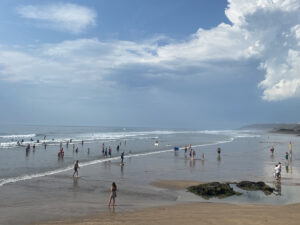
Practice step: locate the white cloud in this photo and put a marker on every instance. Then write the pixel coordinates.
(70, 17)
(263, 30)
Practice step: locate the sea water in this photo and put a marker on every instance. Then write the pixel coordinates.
(17, 164)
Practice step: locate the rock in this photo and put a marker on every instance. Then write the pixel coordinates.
(255, 186)
(213, 189)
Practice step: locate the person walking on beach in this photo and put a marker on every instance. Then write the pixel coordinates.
(76, 167)
(113, 195)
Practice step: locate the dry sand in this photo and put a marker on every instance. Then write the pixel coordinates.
(195, 213)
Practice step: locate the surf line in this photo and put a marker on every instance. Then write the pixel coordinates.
(53, 172)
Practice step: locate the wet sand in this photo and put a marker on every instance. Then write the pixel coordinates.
(198, 213)
(175, 184)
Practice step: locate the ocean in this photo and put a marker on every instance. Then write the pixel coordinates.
(16, 164)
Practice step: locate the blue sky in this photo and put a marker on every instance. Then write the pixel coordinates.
(207, 64)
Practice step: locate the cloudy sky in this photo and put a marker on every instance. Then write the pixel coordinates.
(209, 64)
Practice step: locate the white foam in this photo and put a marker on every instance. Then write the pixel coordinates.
(48, 173)
(18, 136)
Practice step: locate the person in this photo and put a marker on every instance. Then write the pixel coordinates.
(113, 194)
(276, 171)
(76, 150)
(219, 151)
(202, 156)
(272, 150)
(279, 165)
(103, 148)
(122, 158)
(194, 153)
(33, 147)
(185, 150)
(105, 152)
(82, 142)
(118, 148)
(109, 151)
(76, 167)
(28, 148)
(287, 156)
(61, 153)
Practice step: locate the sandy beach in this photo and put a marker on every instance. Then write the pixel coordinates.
(197, 213)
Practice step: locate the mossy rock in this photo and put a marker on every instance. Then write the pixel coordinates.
(213, 189)
(255, 186)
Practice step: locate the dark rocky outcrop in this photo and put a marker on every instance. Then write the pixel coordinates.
(255, 186)
(213, 189)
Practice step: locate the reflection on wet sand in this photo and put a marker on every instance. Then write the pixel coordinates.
(277, 187)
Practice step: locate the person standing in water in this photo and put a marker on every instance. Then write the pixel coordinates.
(76, 167)
(113, 195)
(290, 145)
(272, 150)
(109, 151)
(219, 151)
(118, 148)
(122, 158)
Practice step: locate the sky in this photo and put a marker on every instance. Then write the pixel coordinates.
(209, 64)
